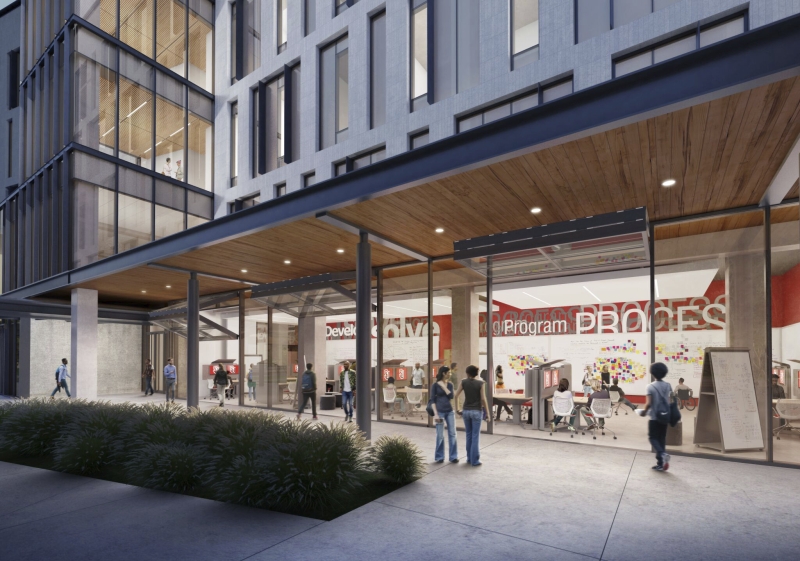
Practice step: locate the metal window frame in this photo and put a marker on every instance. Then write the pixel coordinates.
(512, 54)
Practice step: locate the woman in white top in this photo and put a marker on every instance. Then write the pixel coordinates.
(563, 392)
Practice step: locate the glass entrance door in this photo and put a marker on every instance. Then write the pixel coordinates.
(157, 359)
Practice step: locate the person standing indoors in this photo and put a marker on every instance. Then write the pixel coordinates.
(474, 405)
(347, 381)
(167, 169)
(148, 378)
(61, 379)
(251, 385)
(658, 396)
(605, 375)
(221, 381)
(587, 381)
(170, 377)
(500, 385)
(441, 394)
(417, 376)
(178, 171)
(308, 384)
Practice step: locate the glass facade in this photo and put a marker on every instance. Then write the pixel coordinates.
(524, 32)
(419, 54)
(334, 93)
(377, 70)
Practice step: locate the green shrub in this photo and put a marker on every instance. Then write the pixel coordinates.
(169, 467)
(150, 424)
(33, 425)
(398, 458)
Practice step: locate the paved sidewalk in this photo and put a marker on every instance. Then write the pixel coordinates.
(531, 499)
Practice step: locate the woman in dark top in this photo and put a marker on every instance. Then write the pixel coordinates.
(474, 405)
(442, 393)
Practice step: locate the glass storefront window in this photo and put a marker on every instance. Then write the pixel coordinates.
(170, 35)
(201, 152)
(135, 222)
(168, 221)
(135, 111)
(101, 13)
(201, 44)
(170, 206)
(170, 115)
(136, 24)
(95, 93)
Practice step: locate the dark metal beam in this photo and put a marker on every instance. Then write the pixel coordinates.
(364, 336)
(354, 229)
(218, 327)
(201, 274)
(193, 343)
(14, 308)
(761, 56)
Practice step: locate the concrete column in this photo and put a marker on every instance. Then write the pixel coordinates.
(364, 336)
(465, 329)
(83, 366)
(311, 347)
(746, 318)
(243, 368)
(193, 342)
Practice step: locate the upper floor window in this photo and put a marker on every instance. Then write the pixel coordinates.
(243, 203)
(377, 70)
(309, 179)
(246, 37)
(456, 47)
(280, 190)
(234, 143)
(13, 79)
(593, 17)
(419, 54)
(419, 139)
(334, 93)
(342, 5)
(309, 16)
(277, 121)
(524, 32)
(282, 25)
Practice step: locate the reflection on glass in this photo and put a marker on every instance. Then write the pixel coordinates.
(169, 139)
(136, 121)
(593, 18)
(282, 35)
(342, 89)
(136, 24)
(675, 48)
(192, 220)
(234, 142)
(526, 25)
(201, 152)
(95, 95)
(252, 45)
(722, 31)
(311, 16)
(101, 13)
(135, 222)
(378, 70)
(201, 52)
(168, 221)
(333, 93)
(170, 35)
(419, 44)
(92, 223)
(633, 63)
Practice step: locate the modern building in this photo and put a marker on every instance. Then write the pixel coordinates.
(599, 183)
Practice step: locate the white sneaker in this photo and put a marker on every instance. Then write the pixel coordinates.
(666, 458)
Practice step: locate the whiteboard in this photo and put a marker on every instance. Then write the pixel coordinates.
(736, 401)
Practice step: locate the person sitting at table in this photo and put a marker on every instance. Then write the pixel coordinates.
(682, 386)
(500, 385)
(777, 390)
(586, 410)
(622, 399)
(563, 392)
(417, 376)
(397, 399)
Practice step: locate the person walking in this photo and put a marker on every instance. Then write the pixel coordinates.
(347, 381)
(308, 384)
(61, 379)
(658, 396)
(500, 385)
(170, 378)
(221, 380)
(417, 376)
(148, 378)
(475, 406)
(441, 394)
(251, 385)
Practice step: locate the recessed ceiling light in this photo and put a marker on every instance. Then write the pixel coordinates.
(668, 183)
(339, 251)
(287, 262)
(169, 286)
(244, 270)
(439, 230)
(144, 292)
(536, 210)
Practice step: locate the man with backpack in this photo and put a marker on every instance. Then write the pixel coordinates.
(61, 379)
(347, 381)
(221, 380)
(308, 385)
(658, 406)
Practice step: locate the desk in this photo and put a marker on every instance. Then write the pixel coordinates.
(515, 400)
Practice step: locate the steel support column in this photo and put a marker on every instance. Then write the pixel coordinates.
(489, 346)
(652, 242)
(768, 331)
(243, 368)
(193, 342)
(364, 335)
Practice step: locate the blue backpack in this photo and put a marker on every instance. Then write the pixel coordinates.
(308, 381)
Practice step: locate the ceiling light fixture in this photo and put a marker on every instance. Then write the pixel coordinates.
(439, 230)
(339, 251)
(169, 286)
(135, 110)
(536, 210)
(144, 292)
(668, 183)
(535, 298)
(592, 293)
(287, 262)
(244, 270)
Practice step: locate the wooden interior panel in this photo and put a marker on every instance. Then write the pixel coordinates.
(722, 153)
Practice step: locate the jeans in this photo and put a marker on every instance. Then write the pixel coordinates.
(500, 406)
(169, 385)
(347, 403)
(626, 401)
(657, 434)
(221, 394)
(450, 421)
(472, 426)
(585, 411)
(61, 384)
(306, 396)
(252, 391)
(587, 390)
(557, 419)
(149, 387)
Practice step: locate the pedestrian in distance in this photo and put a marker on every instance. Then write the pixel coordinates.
(221, 381)
(657, 408)
(308, 385)
(170, 379)
(475, 409)
(443, 413)
(61, 379)
(251, 384)
(148, 378)
(347, 381)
